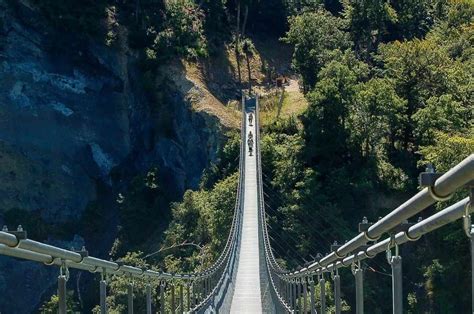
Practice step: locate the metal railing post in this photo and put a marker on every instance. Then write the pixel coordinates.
(359, 285)
(295, 295)
(103, 293)
(188, 296)
(472, 267)
(173, 305)
(337, 291)
(397, 291)
(130, 296)
(288, 293)
(181, 299)
(162, 297)
(305, 295)
(322, 288)
(62, 295)
(358, 273)
(148, 298)
(469, 230)
(313, 294)
(298, 294)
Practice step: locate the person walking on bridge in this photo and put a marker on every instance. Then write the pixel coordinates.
(250, 119)
(250, 143)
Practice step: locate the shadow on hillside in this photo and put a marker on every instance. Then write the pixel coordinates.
(220, 75)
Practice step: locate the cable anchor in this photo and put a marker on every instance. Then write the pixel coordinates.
(64, 270)
(355, 266)
(392, 242)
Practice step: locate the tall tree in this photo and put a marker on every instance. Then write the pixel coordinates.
(248, 49)
(368, 23)
(315, 36)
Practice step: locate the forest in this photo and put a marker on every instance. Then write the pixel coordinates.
(389, 87)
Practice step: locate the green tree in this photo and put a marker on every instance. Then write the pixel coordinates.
(375, 115)
(182, 33)
(315, 36)
(419, 70)
(248, 49)
(203, 217)
(368, 23)
(327, 114)
(52, 305)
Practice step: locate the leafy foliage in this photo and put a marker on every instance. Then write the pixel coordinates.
(378, 112)
(204, 218)
(52, 305)
(315, 36)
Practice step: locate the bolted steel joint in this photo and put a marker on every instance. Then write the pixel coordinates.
(428, 179)
(19, 233)
(83, 252)
(334, 247)
(364, 225)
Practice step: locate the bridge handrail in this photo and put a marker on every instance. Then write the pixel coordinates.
(273, 268)
(453, 180)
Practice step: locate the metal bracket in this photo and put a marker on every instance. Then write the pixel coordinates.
(364, 228)
(334, 247)
(19, 233)
(364, 225)
(428, 179)
(355, 266)
(83, 252)
(389, 249)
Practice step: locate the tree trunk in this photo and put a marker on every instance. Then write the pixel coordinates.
(137, 10)
(237, 43)
(246, 14)
(250, 73)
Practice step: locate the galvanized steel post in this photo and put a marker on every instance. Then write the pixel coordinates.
(62, 293)
(148, 298)
(305, 295)
(188, 295)
(472, 267)
(173, 305)
(397, 291)
(469, 229)
(162, 296)
(103, 293)
(313, 292)
(181, 299)
(359, 285)
(337, 292)
(130, 297)
(322, 287)
(298, 294)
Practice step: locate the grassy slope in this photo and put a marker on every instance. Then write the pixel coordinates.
(212, 87)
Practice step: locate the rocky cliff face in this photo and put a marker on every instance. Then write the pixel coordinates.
(69, 115)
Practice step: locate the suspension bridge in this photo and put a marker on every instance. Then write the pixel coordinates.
(246, 277)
